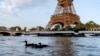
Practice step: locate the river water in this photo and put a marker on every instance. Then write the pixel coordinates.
(58, 46)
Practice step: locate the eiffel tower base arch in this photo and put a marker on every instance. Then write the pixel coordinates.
(67, 19)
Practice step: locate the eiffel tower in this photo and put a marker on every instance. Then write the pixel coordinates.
(65, 14)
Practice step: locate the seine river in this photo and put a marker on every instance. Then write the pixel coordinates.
(59, 46)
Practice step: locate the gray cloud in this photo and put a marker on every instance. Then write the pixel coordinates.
(10, 7)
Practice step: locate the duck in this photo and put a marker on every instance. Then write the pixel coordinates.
(39, 45)
(27, 45)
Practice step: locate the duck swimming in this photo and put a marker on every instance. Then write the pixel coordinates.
(26, 44)
(39, 45)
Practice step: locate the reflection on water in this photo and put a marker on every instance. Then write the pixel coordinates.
(59, 46)
(65, 44)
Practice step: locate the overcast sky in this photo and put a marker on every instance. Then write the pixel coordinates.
(32, 13)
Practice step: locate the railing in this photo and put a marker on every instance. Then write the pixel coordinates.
(86, 32)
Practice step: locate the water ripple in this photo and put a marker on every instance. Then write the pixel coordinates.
(61, 46)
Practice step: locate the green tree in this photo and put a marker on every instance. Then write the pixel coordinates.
(48, 29)
(18, 27)
(40, 28)
(67, 28)
(14, 28)
(80, 27)
(91, 24)
(3, 28)
(56, 28)
(33, 29)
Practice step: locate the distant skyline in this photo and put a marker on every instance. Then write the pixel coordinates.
(32, 13)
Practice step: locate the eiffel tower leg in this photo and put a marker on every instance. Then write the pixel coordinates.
(48, 27)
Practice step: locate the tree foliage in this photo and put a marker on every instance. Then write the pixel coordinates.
(14, 28)
(32, 29)
(91, 24)
(40, 28)
(80, 27)
(56, 28)
(67, 28)
(3, 28)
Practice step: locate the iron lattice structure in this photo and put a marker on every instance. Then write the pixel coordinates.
(65, 14)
